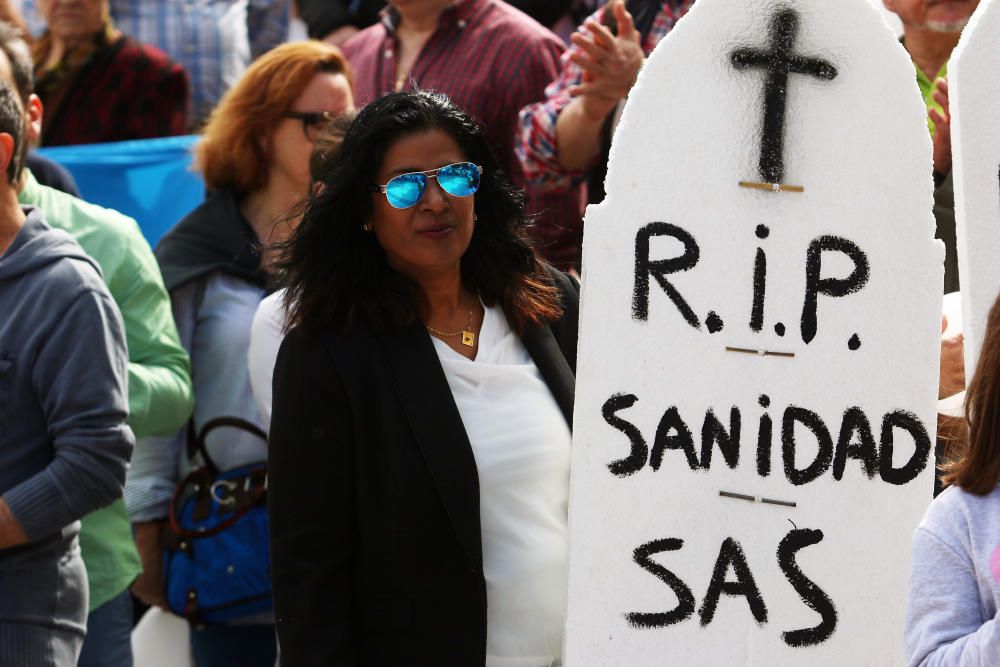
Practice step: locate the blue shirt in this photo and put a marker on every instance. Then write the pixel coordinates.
(214, 40)
(213, 317)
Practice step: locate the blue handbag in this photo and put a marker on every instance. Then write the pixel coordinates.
(216, 565)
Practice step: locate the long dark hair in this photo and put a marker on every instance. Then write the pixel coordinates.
(976, 465)
(335, 273)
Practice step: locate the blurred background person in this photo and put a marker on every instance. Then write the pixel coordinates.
(491, 60)
(406, 529)
(97, 84)
(46, 171)
(254, 156)
(268, 328)
(951, 616)
(565, 138)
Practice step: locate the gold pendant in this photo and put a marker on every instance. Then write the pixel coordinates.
(468, 339)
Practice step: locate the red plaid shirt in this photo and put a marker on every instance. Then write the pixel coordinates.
(130, 91)
(536, 146)
(491, 60)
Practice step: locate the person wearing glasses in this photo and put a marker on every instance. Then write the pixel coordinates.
(268, 328)
(420, 433)
(254, 156)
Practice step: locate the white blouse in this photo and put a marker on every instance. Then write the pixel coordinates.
(522, 447)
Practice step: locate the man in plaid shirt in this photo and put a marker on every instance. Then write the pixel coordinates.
(561, 138)
(490, 59)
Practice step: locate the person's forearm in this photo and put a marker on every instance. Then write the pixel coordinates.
(11, 533)
(578, 136)
(159, 397)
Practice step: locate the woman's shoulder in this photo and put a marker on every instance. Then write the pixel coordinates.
(566, 283)
(955, 514)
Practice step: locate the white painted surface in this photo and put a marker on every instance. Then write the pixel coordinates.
(974, 92)
(890, 18)
(161, 640)
(690, 131)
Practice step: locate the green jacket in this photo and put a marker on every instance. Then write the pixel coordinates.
(159, 383)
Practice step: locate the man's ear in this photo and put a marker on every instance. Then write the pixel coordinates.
(6, 153)
(890, 5)
(34, 113)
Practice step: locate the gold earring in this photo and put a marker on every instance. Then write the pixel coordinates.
(366, 227)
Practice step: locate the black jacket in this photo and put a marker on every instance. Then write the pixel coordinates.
(374, 497)
(213, 237)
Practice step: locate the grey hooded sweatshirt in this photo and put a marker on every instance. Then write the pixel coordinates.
(64, 445)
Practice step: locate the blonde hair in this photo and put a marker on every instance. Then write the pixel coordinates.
(230, 154)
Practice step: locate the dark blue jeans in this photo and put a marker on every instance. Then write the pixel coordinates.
(109, 635)
(226, 645)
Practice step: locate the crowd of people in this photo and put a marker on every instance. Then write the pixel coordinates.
(272, 426)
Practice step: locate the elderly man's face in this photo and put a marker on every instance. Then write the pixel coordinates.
(74, 19)
(938, 15)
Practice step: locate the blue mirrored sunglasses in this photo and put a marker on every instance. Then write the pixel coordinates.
(459, 180)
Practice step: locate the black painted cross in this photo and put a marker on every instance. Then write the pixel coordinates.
(779, 62)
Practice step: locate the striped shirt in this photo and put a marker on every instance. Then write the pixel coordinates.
(492, 60)
(214, 40)
(536, 145)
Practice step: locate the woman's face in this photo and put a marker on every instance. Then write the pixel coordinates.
(291, 141)
(74, 19)
(431, 236)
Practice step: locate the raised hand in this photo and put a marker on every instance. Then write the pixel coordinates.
(610, 62)
(942, 123)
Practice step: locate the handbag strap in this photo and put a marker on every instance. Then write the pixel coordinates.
(196, 442)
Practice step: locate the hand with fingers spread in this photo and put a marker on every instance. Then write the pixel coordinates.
(942, 124)
(610, 62)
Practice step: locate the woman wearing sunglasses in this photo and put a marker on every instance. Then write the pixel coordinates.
(419, 450)
(254, 156)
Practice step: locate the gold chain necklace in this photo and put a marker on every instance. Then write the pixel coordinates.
(467, 334)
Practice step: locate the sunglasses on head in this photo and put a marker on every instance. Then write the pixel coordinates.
(459, 180)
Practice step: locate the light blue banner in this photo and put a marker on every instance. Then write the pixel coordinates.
(149, 179)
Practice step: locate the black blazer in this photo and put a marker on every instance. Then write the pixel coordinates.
(376, 543)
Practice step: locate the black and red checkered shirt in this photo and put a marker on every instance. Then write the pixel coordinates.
(128, 91)
(491, 60)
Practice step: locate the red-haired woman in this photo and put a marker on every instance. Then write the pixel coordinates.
(254, 156)
(955, 577)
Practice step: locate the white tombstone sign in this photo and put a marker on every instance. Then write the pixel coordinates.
(974, 93)
(775, 340)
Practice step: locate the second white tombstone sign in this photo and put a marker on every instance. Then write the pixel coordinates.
(975, 99)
